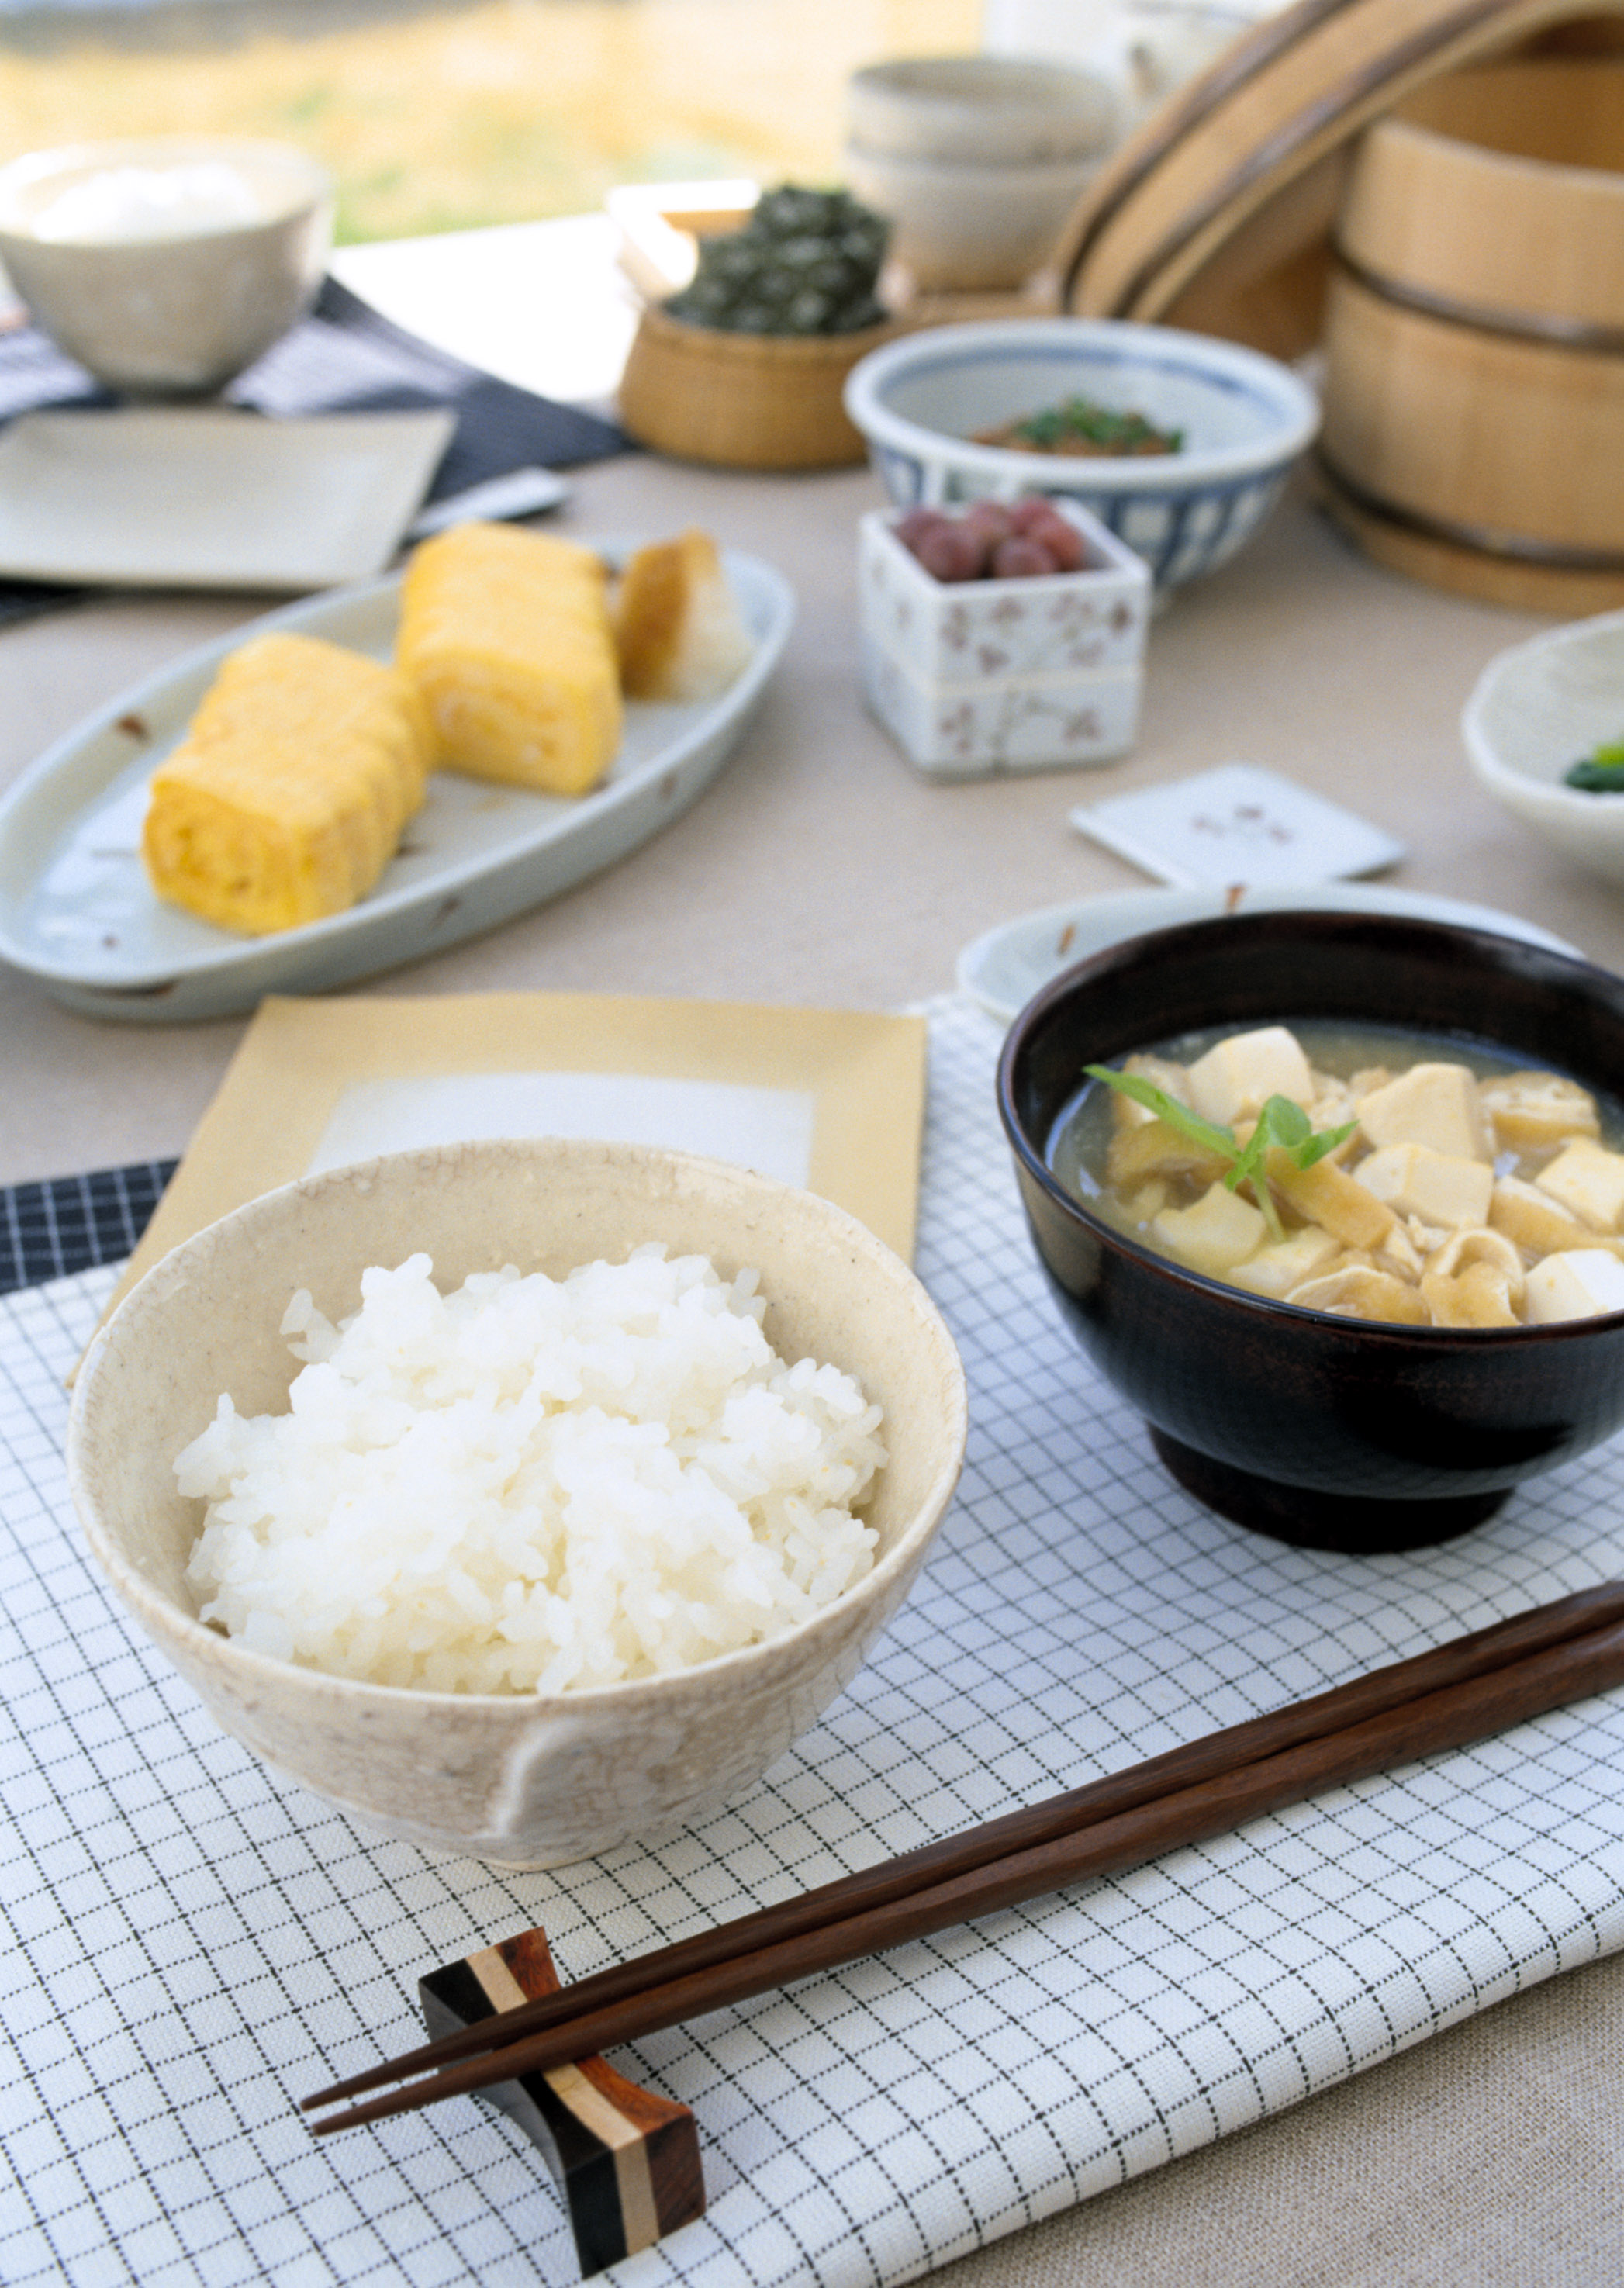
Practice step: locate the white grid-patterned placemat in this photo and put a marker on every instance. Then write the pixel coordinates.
(194, 1944)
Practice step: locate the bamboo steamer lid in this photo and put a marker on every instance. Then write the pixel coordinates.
(1474, 419)
(1217, 213)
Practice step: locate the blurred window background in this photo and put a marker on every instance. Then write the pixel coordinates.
(448, 116)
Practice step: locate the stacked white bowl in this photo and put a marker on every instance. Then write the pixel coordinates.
(977, 160)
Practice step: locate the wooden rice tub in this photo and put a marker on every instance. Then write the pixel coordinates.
(1474, 425)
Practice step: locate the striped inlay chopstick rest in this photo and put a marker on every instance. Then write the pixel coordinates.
(627, 2161)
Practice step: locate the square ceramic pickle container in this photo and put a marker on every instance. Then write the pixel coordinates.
(976, 677)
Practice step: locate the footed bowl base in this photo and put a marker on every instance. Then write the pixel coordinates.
(1356, 1524)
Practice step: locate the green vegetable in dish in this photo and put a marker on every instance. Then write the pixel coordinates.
(1080, 427)
(1279, 1123)
(1601, 772)
(805, 262)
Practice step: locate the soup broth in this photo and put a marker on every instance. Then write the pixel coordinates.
(1433, 1181)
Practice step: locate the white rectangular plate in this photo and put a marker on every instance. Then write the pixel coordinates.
(202, 496)
(1237, 825)
(76, 910)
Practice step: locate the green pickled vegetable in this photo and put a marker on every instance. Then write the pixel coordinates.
(1078, 426)
(1601, 772)
(805, 262)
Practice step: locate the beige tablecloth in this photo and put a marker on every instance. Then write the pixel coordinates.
(821, 869)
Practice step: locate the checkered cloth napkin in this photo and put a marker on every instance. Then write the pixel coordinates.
(194, 1944)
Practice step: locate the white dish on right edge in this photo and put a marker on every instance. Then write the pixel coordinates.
(1536, 711)
(1005, 966)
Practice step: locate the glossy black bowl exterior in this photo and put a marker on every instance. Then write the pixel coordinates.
(1334, 1432)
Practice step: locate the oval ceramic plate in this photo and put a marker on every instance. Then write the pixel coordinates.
(77, 913)
(1005, 967)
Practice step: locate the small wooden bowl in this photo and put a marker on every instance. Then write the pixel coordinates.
(1474, 419)
(744, 401)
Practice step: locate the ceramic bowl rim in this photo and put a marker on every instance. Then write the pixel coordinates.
(917, 173)
(166, 1622)
(1201, 357)
(1546, 799)
(1050, 79)
(1380, 1332)
(30, 168)
(1003, 105)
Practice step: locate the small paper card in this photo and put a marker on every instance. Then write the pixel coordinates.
(1237, 825)
(831, 1101)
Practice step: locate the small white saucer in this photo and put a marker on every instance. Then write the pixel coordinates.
(1237, 823)
(203, 497)
(1003, 968)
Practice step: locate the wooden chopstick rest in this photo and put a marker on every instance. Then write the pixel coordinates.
(627, 2161)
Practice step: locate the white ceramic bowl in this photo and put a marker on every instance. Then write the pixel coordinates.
(188, 256)
(1537, 710)
(970, 229)
(520, 1780)
(1245, 419)
(981, 110)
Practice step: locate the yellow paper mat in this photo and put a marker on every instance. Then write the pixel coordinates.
(833, 1100)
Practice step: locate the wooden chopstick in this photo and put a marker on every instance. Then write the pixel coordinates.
(1456, 1692)
(1041, 1822)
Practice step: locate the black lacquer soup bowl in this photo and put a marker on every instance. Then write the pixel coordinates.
(1336, 1433)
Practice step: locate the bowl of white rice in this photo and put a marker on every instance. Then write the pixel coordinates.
(520, 1498)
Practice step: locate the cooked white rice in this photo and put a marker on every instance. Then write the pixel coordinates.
(534, 1485)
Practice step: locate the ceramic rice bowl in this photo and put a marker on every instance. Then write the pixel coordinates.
(519, 1780)
(176, 313)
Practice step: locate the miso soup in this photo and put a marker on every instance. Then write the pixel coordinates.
(1419, 1180)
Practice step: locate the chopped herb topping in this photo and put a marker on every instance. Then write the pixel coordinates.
(1280, 1122)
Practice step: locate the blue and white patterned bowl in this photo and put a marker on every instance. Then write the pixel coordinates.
(1245, 417)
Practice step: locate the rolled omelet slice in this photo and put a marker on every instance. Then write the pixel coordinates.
(506, 635)
(287, 796)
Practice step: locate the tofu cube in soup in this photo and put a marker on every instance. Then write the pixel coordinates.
(1220, 1231)
(1238, 1077)
(1589, 1182)
(1438, 1186)
(1574, 1286)
(1536, 1111)
(1285, 1263)
(1433, 1104)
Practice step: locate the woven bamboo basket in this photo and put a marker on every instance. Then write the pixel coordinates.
(1474, 422)
(743, 400)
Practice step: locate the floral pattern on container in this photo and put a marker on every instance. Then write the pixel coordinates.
(981, 676)
(976, 730)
